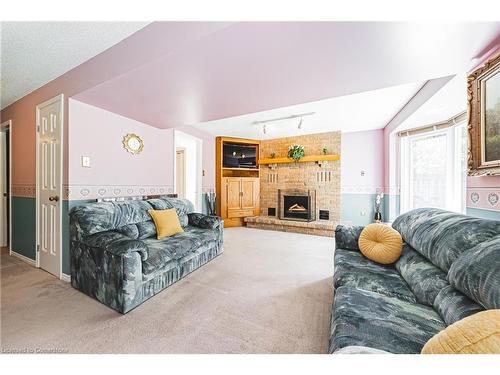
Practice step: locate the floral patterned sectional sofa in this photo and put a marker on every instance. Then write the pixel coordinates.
(116, 258)
(448, 270)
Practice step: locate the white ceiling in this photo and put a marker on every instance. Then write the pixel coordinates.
(446, 103)
(35, 53)
(364, 111)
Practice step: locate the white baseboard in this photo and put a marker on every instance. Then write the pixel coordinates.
(30, 261)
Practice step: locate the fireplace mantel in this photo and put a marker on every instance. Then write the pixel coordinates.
(305, 159)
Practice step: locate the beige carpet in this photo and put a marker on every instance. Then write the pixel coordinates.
(269, 292)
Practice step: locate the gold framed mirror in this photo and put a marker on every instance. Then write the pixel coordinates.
(133, 143)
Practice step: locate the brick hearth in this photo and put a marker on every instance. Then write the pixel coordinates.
(319, 228)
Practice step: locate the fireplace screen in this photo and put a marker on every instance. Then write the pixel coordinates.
(297, 205)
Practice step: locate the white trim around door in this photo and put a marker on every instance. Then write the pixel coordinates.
(3, 126)
(49, 227)
(192, 145)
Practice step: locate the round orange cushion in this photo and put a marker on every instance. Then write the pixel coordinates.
(476, 334)
(380, 243)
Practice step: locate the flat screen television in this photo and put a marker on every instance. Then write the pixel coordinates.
(239, 156)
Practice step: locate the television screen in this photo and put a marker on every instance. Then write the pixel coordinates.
(239, 156)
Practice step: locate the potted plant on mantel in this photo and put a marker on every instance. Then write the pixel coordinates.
(296, 152)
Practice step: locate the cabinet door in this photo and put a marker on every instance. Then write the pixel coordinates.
(233, 195)
(249, 189)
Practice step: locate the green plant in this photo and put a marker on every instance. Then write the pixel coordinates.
(325, 150)
(296, 152)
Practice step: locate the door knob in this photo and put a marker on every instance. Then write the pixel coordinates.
(54, 198)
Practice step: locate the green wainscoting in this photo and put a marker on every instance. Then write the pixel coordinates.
(24, 226)
(354, 204)
(391, 207)
(484, 214)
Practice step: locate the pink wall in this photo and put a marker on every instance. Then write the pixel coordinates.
(98, 133)
(362, 151)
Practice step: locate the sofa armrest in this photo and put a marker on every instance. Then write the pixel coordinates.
(116, 243)
(346, 237)
(204, 221)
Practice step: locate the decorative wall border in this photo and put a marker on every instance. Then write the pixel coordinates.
(24, 190)
(82, 192)
(369, 189)
(485, 198)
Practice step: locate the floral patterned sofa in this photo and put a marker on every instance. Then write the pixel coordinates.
(448, 270)
(116, 258)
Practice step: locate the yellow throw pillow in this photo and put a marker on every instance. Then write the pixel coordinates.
(166, 222)
(380, 243)
(476, 334)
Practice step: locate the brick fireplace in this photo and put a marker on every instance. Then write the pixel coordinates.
(317, 183)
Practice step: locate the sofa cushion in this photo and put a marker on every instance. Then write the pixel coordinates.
(476, 273)
(129, 230)
(166, 222)
(476, 334)
(103, 216)
(353, 269)
(424, 279)
(147, 229)
(442, 236)
(204, 221)
(454, 306)
(162, 252)
(182, 206)
(380, 243)
(364, 318)
(346, 237)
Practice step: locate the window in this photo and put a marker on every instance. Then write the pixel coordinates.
(433, 169)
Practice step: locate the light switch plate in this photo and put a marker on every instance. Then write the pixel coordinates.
(86, 161)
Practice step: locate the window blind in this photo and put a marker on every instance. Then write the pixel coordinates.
(455, 120)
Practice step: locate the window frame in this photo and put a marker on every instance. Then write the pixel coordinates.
(455, 174)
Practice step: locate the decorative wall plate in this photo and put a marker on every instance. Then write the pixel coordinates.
(133, 143)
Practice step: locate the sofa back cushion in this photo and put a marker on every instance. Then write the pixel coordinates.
(454, 306)
(476, 273)
(91, 218)
(182, 206)
(102, 216)
(442, 236)
(424, 278)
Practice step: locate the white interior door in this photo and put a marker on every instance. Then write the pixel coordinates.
(180, 168)
(193, 148)
(49, 184)
(3, 189)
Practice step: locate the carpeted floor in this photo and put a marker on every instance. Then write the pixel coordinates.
(269, 292)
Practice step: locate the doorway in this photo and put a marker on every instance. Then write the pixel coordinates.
(49, 155)
(5, 182)
(180, 172)
(188, 176)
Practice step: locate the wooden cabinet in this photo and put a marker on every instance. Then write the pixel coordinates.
(237, 189)
(240, 197)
